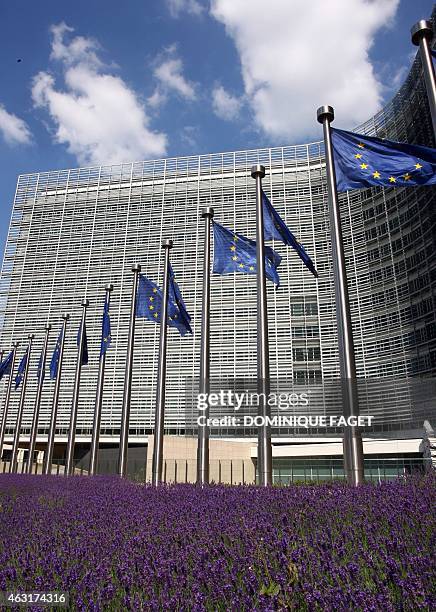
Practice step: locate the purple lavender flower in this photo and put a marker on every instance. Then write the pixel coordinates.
(113, 544)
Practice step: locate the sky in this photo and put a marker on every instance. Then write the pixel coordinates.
(102, 82)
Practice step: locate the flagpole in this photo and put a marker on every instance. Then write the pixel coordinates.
(7, 398)
(69, 463)
(34, 430)
(93, 460)
(353, 447)
(264, 454)
(125, 417)
(161, 374)
(203, 432)
(422, 34)
(54, 410)
(13, 465)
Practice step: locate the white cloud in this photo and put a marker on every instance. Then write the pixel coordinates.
(169, 73)
(193, 7)
(13, 129)
(79, 49)
(224, 104)
(189, 136)
(98, 117)
(157, 99)
(297, 55)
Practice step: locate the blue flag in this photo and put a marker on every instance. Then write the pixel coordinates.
(106, 337)
(365, 161)
(55, 357)
(235, 253)
(84, 356)
(148, 300)
(149, 304)
(21, 370)
(5, 365)
(276, 229)
(181, 319)
(40, 372)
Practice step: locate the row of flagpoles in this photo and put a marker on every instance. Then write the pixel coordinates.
(352, 161)
(233, 252)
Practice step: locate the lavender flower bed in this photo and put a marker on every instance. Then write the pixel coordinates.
(117, 545)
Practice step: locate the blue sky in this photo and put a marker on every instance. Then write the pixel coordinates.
(105, 82)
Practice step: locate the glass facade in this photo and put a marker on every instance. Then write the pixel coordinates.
(324, 469)
(74, 231)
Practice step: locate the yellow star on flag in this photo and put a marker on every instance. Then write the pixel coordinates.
(234, 258)
(418, 165)
(358, 155)
(151, 307)
(392, 179)
(376, 174)
(241, 265)
(407, 176)
(233, 248)
(154, 290)
(155, 315)
(251, 268)
(364, 166)
(361, 145)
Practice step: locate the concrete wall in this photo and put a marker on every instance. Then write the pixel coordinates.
(230, 460)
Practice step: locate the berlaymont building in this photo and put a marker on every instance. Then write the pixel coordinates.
(73, 231)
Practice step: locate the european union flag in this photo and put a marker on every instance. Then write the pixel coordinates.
(276, 229)
(148, 300)
(84, 356)
(40, 373)
(106, 337)
(21, 370)
(149, 304)
(182, 319)
(5, 365)
(235, 253)
(55, 357)
(365, 161)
